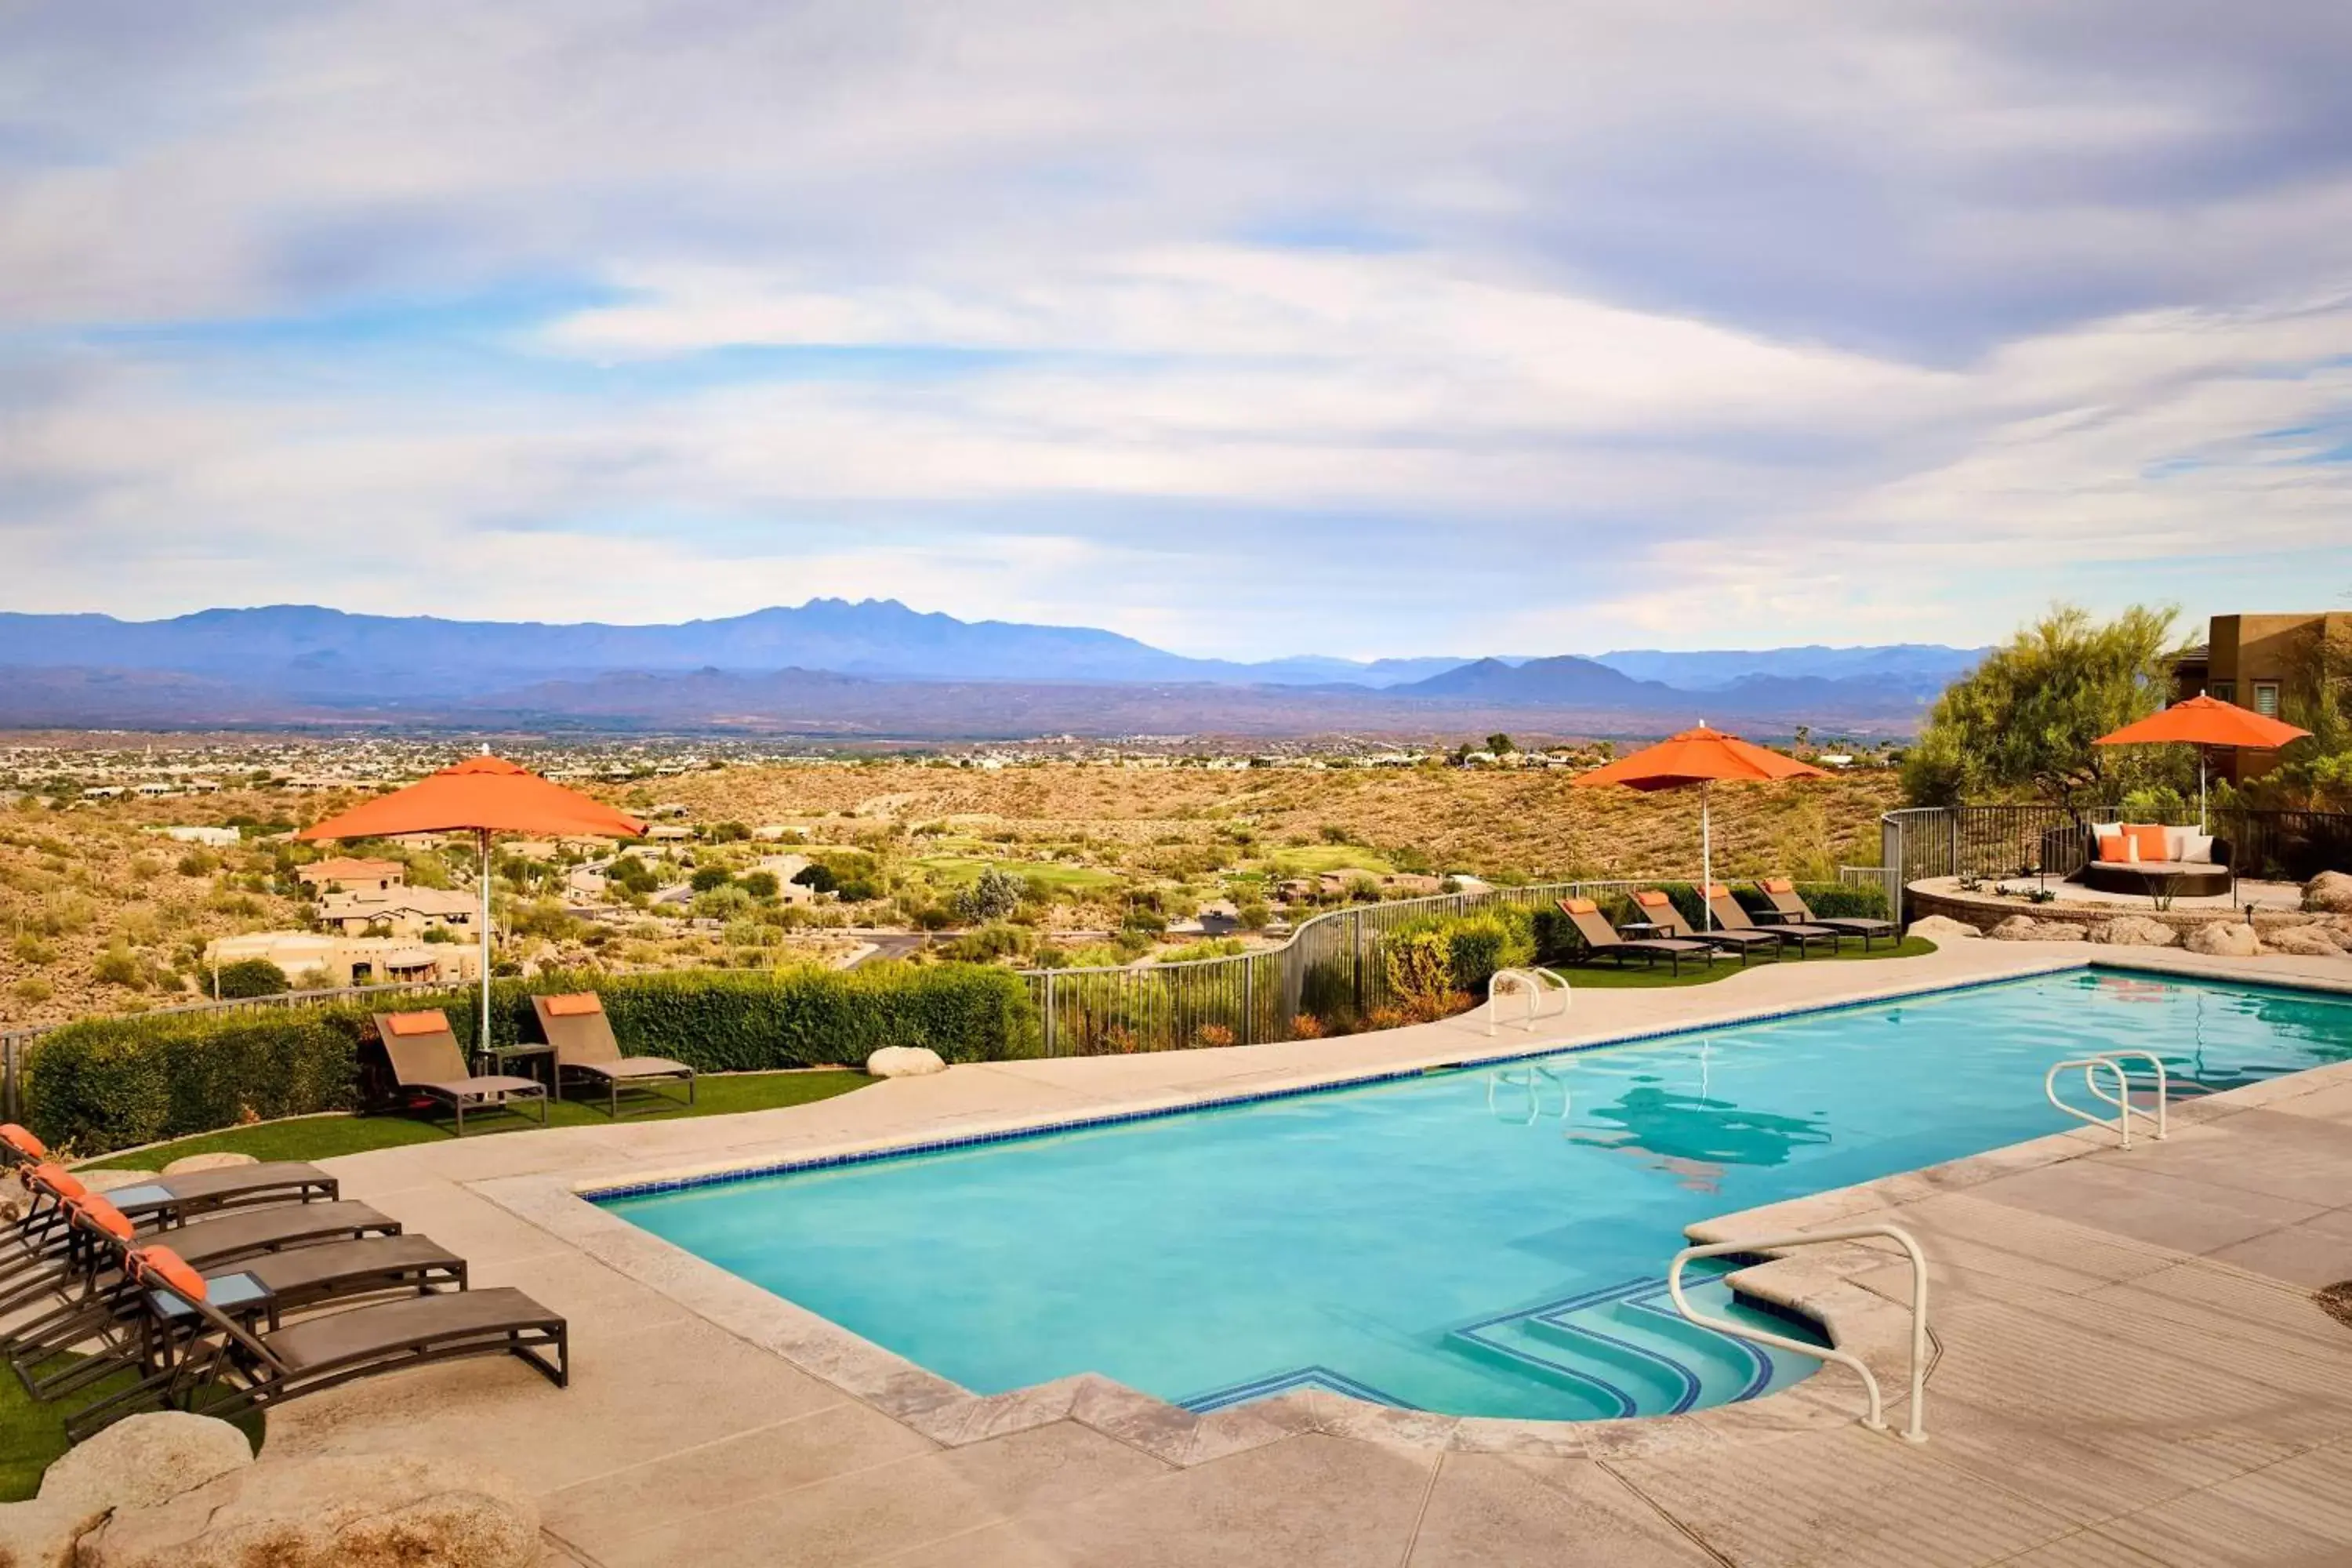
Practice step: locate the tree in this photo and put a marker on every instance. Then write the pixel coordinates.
(252, 977)
(760, 884)
(2025, 718)
(707, 877)
(1500, 744)
(996, 894)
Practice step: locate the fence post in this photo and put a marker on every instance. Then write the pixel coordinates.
(1356, 963)
(1249, 997)
(8, 1079)
(1049, 1012)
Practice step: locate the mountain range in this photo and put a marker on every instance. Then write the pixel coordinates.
(838, 667)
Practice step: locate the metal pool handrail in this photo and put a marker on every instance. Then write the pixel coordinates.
(2121, 1099)
(1876, 1417)
(1536, 984)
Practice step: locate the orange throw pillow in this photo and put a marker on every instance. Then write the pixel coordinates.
(416, 1023)
(577, 1005)
(56, 1181)
(100, 1215)
(1579, 906)
(1650, 900)
(2149, 839)
(1779, 885)
(22, 1141)
(162, 1266)
(2116, 848)
(1717, 890)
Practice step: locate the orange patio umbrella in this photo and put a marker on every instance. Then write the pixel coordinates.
(1703, 757)
(481, 795)
(2204, 720)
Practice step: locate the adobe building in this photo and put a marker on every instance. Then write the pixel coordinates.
(2261, 662)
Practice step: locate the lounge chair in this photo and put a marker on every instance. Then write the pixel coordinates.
(425, 1060)
(1732, 916)
(191, 1192)
(166, 1201)
(1600, 937)
(576, 1025)
(250, 1368)
(1781, 893)
(1659, 910)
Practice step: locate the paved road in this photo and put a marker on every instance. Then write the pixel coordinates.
(890, 944)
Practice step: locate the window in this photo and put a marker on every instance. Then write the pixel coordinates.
(2227, 691)
(2266, 699)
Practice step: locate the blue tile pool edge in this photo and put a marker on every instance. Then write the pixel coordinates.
(600, 1193)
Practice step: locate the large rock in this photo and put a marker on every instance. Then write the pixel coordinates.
(143, 1462)
(207, 1163)
(2025, 928)
(361, 1511)
(2313, 940)
(904, 1061)
(1941, 929)
(2224, 941)
(2135, 931)
(113, 1180)
(2330, 892)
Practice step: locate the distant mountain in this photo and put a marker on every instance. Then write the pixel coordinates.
(1563, 682)
(1910, 666)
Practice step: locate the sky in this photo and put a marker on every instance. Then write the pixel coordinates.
(1249, 329)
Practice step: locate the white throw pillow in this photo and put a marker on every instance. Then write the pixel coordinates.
(2176, 841)
(2196, 850)
(2101, 829)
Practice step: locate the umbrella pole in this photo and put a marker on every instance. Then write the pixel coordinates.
(2201, 828)
(484, 1038)
(1706, 860)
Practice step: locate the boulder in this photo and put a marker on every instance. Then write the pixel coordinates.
(2313, 940)
(1941, 929)
(356, 1512)
(2135, 931)
(2224, 941)
(113, 1180)
(139, 1463)
(2330, 892)
(2025, 928)
(207, 1163)
(13, 1199)
(904, 1061)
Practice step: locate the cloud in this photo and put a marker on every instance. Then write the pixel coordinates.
(1376, 328)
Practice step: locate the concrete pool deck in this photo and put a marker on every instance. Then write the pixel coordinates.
(2130, 1369)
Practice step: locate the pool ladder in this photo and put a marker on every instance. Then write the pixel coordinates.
(1538, 986)
(1874, 1416)
(2120, 1102)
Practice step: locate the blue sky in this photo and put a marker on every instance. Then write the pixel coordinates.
(1245, 330)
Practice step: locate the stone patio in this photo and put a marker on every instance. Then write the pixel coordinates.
(2129, 1367)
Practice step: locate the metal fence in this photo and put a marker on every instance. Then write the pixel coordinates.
(2055, 841)
(1330, 964)
(15, 1044)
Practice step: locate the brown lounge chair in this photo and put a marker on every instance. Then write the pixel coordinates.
(249, 1368)
(1732, 916)
(45, 1241)
(1600, 937)
(426, 1060)
(1783, 897)
(194, 1191)
(1659, 910)
(577, 1028)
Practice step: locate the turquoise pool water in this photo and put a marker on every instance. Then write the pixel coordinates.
(1477, 1242)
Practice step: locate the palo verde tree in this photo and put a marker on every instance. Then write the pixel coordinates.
(2024, 719)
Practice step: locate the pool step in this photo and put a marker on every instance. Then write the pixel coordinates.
(1628, 1351)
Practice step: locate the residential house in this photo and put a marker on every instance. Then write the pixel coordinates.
(2260, 661)
(407, 913)
(312, 959)
(346, 875)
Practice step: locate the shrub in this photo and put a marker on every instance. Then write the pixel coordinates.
(707, 879)
(996, 894)
(1306, 1026)
(760, 884)
(34, 990)
(1210, 1036)
(110, 1083)
(250, 977)
(1420, 967)
(1253, 914)
(118, 966)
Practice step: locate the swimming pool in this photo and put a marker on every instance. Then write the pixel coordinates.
(1487, 1241)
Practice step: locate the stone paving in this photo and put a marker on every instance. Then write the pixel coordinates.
(2129, 1368)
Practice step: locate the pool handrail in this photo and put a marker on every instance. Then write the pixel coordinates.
(2121, 1100)
(1536, 984)
(1875, 1417)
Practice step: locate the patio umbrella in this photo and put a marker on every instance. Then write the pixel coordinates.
(2202, 722)
(481, 795)
(1703, 757)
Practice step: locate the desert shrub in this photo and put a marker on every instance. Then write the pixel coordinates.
(118, 966)
(1253, 914)
(1208, 1036)
(989, 943)
(1419, 965)
(108, 1083)
(250, 977)
(761, 885)
(1306, 1026)
(707, 877)
(991, 896)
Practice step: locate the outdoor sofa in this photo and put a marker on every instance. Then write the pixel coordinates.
(2156, 861)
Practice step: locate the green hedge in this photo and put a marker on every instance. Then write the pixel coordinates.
(113, 1083)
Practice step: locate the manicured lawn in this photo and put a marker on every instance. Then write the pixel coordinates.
(956, 870)
(1608, 976)
(33, 1434)
(324, 1137)
(1314, 859)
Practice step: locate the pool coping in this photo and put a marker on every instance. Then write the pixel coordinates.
(1818, 1284)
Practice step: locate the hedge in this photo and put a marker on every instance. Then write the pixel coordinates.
(113, 1083)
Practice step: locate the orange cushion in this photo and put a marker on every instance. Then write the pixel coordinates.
(56, 1181)
(416, 1023)
(1579, 906)
(2116, 848)
(1651, 900)
(98, 1215)
(1779, 885)
(1717, 890)
(574, 1005)
(21, 1141)
(162, 1266)
(2149, 836)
